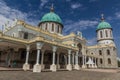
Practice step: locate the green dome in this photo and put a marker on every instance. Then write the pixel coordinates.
(51, 17)
(103, 25)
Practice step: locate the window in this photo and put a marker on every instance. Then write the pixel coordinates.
(52, 27)
(109, 61)
(106, 33)
(26, 35)
(108, 52)
(58, 29)
(111, 33)
(101, 34)
(46, 27)
(100, 52)
(101, 61)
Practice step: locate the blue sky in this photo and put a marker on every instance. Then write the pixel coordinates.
(76, 15)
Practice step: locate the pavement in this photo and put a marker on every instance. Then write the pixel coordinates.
(87, 74)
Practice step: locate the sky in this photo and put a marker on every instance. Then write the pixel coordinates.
(76, 15)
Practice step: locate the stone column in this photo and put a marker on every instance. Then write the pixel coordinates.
(69, 66)
(42, 60)
(37, 66)
(26, 66)
(77, 67)
(73, 59)
(95, 63)
(58, 65)
(53, 66)
(83, 61)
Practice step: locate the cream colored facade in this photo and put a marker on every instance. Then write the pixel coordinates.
(42, 47)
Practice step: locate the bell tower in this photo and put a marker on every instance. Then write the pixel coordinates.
(104, 32)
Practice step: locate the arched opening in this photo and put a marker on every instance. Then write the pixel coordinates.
(101, 34)
(100, 52)
(80, 59)
(106, 33)
(108, 52)
(109, 61)
(62, 60)
(52, 27)
(101, 61)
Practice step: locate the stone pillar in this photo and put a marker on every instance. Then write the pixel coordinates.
(53, 66)
(42, 60)
(69, 66)
(37, 66)
(26, 66)
(83, 61)
(77, 67)
(58, 65)
(95, 63)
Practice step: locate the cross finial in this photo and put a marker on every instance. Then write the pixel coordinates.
(52, 8)
(102, 17)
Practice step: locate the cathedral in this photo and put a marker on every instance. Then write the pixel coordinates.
(44, 47)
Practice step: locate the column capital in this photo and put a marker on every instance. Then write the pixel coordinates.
(28, 47)
(69, 51)
(39, 45)
(54, 48)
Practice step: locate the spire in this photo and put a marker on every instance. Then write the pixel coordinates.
(102, 17)
(52, 8)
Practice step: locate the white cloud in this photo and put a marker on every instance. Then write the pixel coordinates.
(117, 14)
(43, 2)
(77, 5)
(8, 14)
(92, 41)
(79, 25)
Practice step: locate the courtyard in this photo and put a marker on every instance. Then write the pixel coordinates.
(87, 74)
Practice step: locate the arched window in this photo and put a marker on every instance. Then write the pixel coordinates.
(58, 29)
(46, 26)
(52, 27)
(109, 61)
(101, 34)
(106, 33)
(111, 33)
(108, 52)
(101, 61)
(100, 52)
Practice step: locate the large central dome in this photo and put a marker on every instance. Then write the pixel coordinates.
(51, 17)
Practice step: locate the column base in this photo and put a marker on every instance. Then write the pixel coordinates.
(95, 66)
(83, 66)
(69, 67)
(26, 67)
(53, 68)
(77, 67)
(37, 68)
(58, 66)
(42, 66)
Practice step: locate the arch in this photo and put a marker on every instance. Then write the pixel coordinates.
(79, 45)
(101, 61)
(101, 34)
(52, 27)
(100, 52)
(106, 32)
(109, 61)
(108, 52)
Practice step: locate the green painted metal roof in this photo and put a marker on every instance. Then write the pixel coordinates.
(103, 25)
(51, 17)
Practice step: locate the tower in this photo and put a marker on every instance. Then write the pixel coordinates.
(104, 32)
(51, 22)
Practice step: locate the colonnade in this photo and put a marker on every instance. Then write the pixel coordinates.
(72, 60)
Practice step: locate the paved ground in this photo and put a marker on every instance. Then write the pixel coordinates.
(60, 75)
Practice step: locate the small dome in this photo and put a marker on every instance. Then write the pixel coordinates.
(103, 25)
(51, 17)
